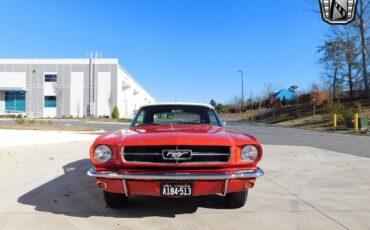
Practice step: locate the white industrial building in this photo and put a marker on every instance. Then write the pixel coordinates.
(68, 87)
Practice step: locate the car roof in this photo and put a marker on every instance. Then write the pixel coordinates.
(179, 103)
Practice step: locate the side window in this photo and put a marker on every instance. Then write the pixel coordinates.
(50, 77)
(212, 118)
(140, 118)
(50, 101)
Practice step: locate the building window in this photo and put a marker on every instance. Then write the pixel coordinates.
(50, 102)
(15, 102)
(50, 77)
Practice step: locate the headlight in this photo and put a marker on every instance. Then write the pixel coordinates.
(102, 154)
(249, 153)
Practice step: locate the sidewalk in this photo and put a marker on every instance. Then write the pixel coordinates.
(10, 138)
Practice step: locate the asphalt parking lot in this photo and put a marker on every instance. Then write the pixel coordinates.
(267, 134)
(304, 188)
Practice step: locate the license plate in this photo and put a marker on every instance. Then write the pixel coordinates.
(176, 189)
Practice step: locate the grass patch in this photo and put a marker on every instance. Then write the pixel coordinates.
(122, 120)
(31, 121)
(280, 119)
(20, 121)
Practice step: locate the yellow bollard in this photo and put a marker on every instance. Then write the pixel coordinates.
(356, 122)
(335, 121)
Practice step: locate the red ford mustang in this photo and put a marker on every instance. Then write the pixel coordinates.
(175, 150)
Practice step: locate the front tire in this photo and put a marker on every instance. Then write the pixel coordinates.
(115, 200)
(236, 199)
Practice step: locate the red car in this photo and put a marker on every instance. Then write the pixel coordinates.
(175, 150)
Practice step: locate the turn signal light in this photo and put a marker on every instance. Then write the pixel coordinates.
(249, 185)
(101, 185)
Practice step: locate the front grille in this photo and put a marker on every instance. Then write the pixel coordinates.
(199, 154)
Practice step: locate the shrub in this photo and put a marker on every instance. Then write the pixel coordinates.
(115, 113)
(296, 113)
(284, 102)
(50, 122)
(125, 120)
(349, 113)
(304, 98)
(31, 121)
(219, 107)
(331, 107)
(19, 120)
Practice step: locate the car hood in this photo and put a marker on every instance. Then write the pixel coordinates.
(176, 135)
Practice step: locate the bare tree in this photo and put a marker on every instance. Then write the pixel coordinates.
(355, 38)
(259, 100)
(361, 25)
(275, 104)
(78, 108)
(332, 60)
(350, 50)
(269, 90)
(58, 90)
(351, 56)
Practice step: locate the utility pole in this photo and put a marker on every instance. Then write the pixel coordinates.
(242, 78)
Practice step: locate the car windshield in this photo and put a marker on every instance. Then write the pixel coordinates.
(176, 115)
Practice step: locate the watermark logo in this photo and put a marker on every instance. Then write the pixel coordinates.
(338, 11)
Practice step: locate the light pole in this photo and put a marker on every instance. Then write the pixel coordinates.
(242, 77)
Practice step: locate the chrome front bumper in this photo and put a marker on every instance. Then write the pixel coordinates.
(243, 174)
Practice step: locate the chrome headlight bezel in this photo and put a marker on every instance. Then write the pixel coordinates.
(102, 153)
(249, 153)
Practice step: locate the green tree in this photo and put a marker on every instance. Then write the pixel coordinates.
(219, 107)
(213, 103)
(115, 113)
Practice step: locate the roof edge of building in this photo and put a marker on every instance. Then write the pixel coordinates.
(57, 61)
(134, 80)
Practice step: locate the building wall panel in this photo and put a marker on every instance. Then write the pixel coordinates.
(77, 94)
(104, 94)
(2, 102)
(49, 112)
(13, 80)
